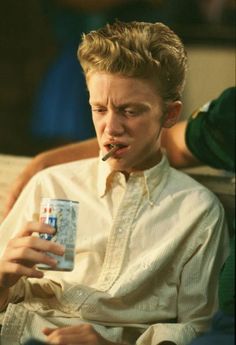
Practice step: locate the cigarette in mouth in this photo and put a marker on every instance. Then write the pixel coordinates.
(111, 152)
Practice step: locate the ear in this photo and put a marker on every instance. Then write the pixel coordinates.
(172, 115)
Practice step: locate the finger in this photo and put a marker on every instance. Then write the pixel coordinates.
(63, 335)
(72, 339)
(32, 227)
(48, 331)
(64, 330)
(29, 257)
(79, 334)
(37, 244)
(52, 337)
(19, 270)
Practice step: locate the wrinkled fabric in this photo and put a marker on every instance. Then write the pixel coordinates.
(148, 255)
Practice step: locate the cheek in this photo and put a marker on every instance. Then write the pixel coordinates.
(147, 130)
(148, 137)
(98, 124)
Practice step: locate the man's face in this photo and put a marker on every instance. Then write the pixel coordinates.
(126, 111)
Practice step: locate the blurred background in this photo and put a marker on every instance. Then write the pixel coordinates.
(43, 101)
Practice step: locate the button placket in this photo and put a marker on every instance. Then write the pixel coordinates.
(120, 233)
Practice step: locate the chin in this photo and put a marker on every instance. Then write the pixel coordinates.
(118, 166)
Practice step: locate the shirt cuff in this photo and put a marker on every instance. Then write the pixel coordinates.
(180, 334)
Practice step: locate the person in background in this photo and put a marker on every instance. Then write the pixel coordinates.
(207, 136)
(148, 259)
(60, 111)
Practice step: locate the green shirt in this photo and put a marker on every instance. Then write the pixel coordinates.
(210, 133)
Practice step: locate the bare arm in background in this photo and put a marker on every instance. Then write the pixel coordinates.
(174, 143)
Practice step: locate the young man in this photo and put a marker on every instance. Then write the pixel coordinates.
(151, 241)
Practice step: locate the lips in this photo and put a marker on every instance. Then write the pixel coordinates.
(109, 145)
(114, 149)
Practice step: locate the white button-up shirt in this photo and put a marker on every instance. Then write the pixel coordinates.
(148, 255)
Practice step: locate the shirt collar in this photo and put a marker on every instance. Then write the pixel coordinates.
(152, 177)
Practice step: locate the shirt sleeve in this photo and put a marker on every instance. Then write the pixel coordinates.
(210, 132)
(25, 209)
(198, 288)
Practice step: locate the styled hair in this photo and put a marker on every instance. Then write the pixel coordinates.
(137, 49)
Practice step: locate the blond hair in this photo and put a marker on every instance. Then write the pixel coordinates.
(137, 49)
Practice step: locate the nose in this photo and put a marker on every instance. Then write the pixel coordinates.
(114, 125)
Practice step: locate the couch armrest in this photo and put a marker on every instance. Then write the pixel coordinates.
(10, 167)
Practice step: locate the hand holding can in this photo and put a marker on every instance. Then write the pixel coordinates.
(62, 216)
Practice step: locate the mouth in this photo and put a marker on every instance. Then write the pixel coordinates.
(113, 149)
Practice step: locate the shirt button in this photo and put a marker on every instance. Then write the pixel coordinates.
(120, 230)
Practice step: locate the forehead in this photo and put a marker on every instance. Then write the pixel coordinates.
(116, 87)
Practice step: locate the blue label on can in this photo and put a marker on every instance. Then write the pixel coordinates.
(51, 220)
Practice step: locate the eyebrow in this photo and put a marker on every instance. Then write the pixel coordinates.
(141, 106)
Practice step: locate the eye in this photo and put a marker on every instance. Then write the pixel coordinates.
(130, 112)
(98, 110)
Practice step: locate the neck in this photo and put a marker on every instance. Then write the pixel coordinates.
(149, 165)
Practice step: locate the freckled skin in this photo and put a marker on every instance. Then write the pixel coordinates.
(127, 110)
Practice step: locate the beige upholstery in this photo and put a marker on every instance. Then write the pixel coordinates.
(222, 184)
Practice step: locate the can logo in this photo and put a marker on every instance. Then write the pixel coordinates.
(49, 219)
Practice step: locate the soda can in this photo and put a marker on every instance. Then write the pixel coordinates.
(62, 215)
